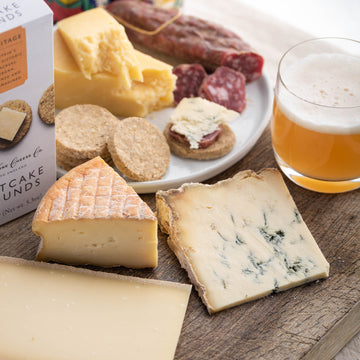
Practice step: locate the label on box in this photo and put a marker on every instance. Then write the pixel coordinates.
(27, 131)
(13, 61)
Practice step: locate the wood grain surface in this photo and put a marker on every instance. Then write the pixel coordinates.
(313, 321)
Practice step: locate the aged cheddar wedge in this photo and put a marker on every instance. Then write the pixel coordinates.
(91, 216)
(98, 43)
(240, 239)
(58, 312)
(154, 93)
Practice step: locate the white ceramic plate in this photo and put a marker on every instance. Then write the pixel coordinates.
(248, 127)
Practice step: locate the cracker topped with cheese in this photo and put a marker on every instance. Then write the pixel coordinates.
(198, 129)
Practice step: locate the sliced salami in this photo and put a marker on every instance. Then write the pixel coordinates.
(189, 80)
(225, 87)
(247, 63)
(189, 38)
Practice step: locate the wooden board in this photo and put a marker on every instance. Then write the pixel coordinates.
(313, 321)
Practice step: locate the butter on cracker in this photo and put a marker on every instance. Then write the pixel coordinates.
(10, 123)
(98, 43)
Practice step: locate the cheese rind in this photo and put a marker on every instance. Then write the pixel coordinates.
(49, 311)
(154, 93)
(10, 123)
(98, 43)
(240, 239)
(91, 216)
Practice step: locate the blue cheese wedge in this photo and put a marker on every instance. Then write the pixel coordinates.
(240, 239)
(196, 117)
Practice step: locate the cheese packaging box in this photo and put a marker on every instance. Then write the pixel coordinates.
(27, 131)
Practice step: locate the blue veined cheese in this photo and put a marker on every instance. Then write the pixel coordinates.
(240, 239)
(196, 117)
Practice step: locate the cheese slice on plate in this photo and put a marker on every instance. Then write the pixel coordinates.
(240, 239)
(155, 92)
(57, 312)
(98, 43)
(91, 216)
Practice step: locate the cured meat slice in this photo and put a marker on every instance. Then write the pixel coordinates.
(225, 87)
(187, 37)
(189, 80)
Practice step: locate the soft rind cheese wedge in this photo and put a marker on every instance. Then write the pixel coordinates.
(155, 92)
(91, 216)
(51, 311)
(98, 43)
(240, 239)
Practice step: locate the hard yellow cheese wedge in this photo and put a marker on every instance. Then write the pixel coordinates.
(91, 216)
(51, 311)
(98, 43)
(71, 86)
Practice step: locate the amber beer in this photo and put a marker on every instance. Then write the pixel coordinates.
(316, 119)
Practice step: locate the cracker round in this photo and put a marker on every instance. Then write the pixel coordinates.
(82, 131)
(68, 163)
(46, 108)
(223, 145)
(139, 149)
(24, 107)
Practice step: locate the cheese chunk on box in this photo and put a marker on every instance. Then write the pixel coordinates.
(57, 312)
(98, 43)
(91, 216)
(10, 122)
(155, 92)
(240, 239)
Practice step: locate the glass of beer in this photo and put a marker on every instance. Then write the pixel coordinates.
(315, 126)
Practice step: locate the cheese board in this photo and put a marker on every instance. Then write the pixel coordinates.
(248, 127)
(312, 321)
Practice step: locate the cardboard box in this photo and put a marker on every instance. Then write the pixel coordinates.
(27, 131)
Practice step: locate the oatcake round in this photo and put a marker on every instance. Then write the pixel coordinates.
(21, 106)
(218, 148)
(82, 132)
(68, 164)
(46, 108)
(139, 149)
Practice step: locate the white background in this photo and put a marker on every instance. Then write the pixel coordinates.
(340, 18)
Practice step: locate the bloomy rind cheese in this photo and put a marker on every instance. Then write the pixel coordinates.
(201, 206)
(91, 216)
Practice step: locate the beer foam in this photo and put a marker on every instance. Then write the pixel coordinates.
(332, 81)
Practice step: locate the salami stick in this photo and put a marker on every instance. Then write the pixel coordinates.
(187, 37)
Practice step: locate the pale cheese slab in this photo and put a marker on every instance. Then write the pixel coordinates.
(50, 311)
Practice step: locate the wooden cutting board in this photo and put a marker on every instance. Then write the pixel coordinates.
(313, 321)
